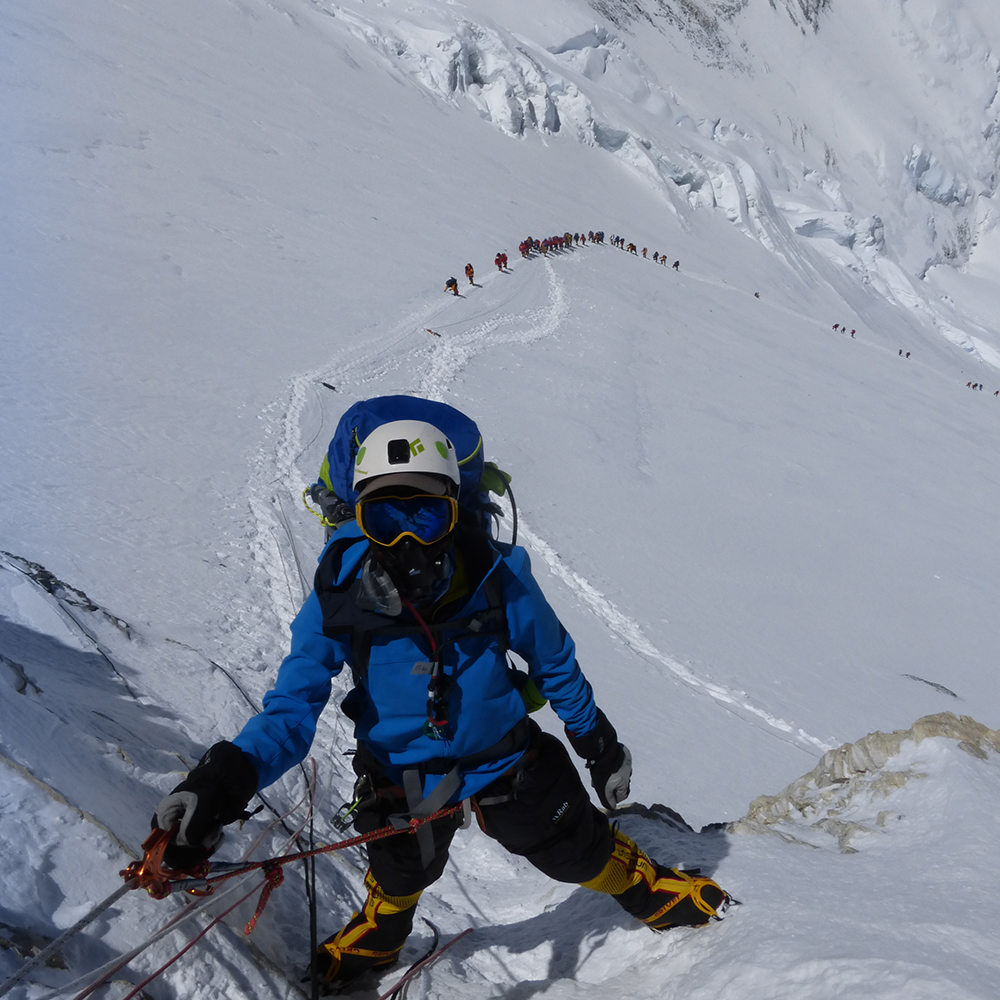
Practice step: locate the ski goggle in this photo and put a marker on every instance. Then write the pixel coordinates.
(425, 518)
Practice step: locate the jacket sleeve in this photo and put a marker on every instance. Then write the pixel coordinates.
(280, 737)
(538, 637)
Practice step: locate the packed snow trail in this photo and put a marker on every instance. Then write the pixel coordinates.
(286, 557)
(432, 365)
(442, 360)
(865, 320)
(449, 358)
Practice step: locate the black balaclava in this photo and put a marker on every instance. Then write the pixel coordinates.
(417, 573)
(408, 571)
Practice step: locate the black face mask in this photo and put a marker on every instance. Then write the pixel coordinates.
(418, 573)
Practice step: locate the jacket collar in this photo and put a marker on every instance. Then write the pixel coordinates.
(338, 579)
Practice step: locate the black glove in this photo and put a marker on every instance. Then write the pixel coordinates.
(609, 762)
(215, 793)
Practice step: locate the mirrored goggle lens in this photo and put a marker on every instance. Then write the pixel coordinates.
(387, 519)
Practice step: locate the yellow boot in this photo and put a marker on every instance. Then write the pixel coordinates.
(659, 897)
(372, 939)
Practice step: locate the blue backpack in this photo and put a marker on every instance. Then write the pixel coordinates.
(479, 477)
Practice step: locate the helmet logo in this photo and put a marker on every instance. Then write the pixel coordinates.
(442, 448)
(416, 447)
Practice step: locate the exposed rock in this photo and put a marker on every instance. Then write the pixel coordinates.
(821, 793)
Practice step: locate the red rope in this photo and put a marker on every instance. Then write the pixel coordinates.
(150, 876)
(364, 838)
(275, 876)
(186, 948)
(158, 885)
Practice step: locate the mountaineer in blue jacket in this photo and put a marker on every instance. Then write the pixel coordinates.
(423, 604)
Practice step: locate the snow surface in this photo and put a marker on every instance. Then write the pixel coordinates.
(767, 537)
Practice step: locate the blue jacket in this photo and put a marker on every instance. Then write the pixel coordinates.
(390, 700)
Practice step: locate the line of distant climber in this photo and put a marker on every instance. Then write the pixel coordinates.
(528, 248)
(566, 241)
(563, 241)
(658, 258)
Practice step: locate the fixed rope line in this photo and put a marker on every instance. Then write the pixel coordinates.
(99, 976)
(46, 953)
(149, 875)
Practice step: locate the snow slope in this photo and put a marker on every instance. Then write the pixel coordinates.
(768, 537)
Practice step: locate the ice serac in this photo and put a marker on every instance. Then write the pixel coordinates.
(881, 157)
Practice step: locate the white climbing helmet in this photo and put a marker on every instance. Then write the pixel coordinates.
(406, 450)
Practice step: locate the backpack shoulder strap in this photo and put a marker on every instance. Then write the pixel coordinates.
(338, 601)
(361, 650)
(496, 608)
